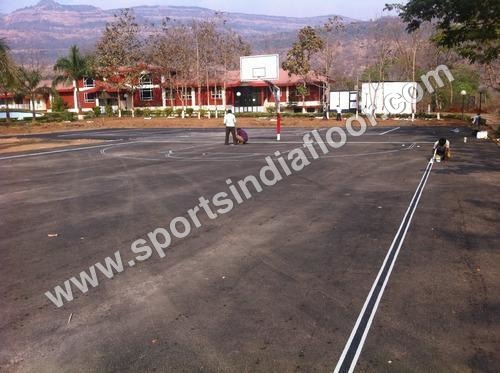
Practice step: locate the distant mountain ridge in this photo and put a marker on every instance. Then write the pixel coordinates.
(45, 31)
(51, 28)
(53, 5)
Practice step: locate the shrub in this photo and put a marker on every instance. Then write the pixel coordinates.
(147, 112)
(178, 112)
(189, 111)
(68, 116)
(168, 111)
(299, 115)
(138, 112)
(253, 115)
(58, 117)
(203, 113)
(58, 105)
(108, 110)
(97, 111)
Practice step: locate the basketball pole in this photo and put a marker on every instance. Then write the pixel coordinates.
(276, 93)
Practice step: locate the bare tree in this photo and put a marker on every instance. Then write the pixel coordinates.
(331, 33)
(172, 50)
(298, 59)
(384, 52)
(230, 48)
(119, 54)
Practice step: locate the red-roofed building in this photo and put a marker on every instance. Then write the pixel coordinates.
(152, 90)
(16, 101)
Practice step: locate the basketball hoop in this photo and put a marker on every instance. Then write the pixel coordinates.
(264, 68)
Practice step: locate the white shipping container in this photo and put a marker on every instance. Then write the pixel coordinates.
(389, 97)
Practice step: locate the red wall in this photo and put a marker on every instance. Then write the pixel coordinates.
(156, 101)
(67, 98)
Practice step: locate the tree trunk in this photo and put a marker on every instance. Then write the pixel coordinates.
(132, 103)
(78, 109)
(33, 108)
(215, 101)
(183, 114)
(208, 94)
(198, 78)
(304, 99)
(199, 99)
(172, 96)
(326, 100)
(7, 110)
(119, 104)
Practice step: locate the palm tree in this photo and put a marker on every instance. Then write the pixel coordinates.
(4, 48)
(29, 85)
(8, 74)
(71, 69)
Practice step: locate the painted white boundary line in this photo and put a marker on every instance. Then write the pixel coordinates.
(54, 152)
(274, 142)
(114, 143)
(394, 129)
(347, 363)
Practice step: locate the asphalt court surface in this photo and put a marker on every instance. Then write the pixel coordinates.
(277, 283)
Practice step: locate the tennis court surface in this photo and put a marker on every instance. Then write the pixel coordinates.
(278, 283)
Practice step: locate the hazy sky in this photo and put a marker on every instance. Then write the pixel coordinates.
(359, 9)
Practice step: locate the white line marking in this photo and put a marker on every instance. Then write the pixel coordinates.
(54, 152)
(398, 238)
(257, 142)
(394, 129)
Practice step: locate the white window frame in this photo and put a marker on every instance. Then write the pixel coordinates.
(141, 94)
(146, 82)
(216, 95)
(86, 85)
(187, 96)
(86, 98)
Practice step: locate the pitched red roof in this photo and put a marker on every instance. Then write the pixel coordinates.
(283, 79)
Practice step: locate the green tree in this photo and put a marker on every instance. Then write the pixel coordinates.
(29, 81)
(71, 69)
(4, 49)
(9, 74)
(472, 28)
(298, 58)
(58, 104)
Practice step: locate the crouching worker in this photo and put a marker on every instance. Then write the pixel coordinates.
(442, 150)
(241, 136)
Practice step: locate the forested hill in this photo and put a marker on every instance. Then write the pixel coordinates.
(51, 28)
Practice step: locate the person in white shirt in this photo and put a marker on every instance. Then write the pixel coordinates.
(230, 123)
(339, 113)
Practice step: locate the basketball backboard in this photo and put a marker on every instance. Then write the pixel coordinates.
(261, 67)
